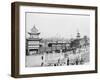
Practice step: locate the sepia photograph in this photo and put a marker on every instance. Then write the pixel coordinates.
(57, 39)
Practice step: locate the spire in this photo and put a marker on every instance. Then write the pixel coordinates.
(78, 34)
(34, 32)
(34, 29)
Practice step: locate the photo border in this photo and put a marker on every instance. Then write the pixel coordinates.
(15, 40)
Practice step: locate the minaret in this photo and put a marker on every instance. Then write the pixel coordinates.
(33, 42)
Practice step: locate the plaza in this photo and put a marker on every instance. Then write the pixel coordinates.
(56, 52)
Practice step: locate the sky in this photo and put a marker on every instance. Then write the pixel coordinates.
(58, 25)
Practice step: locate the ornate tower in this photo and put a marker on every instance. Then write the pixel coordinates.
(78, 35)
(77, 41)
(33, 42)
